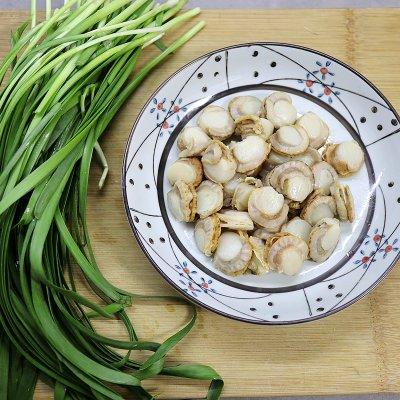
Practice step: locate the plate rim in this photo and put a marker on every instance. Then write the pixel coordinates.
(139, 240)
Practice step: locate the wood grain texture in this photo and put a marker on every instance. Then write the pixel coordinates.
(355, 351)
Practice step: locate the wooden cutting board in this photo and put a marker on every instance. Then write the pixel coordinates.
(355, 351)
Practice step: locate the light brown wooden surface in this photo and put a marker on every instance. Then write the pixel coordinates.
(355, 351)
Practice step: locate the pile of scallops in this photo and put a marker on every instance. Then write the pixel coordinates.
(261, 184)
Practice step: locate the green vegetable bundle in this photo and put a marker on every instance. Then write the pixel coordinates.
(67, 77)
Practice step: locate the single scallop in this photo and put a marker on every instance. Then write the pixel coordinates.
(206, 234)
(216, 122)
(245, 105)
(182, 201)
(192, 141)
(267, 208)
(235, 220)
(317, 208)
(258, 264)
(324, 237)
(210, 198)
(280, 110)
(316, 129)
(188, 170)
(219, 165)
(324, 176)
(346, 157)
(286, 253)
(344, 201)
(298, 227)
(233, 253)
(289, 140)
(250, 153)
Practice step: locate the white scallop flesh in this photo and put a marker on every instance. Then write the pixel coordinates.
(187, 170)
(206, 234)
(262, 233)
(287, 254)
(320, 207)
(258, 264)
(289, 136)
(230, 186)
(297, 187)
(317, 130)
(229, 246)
(275, 158)
(291, 261)
(275, 96)
(250, 153)
(298, 227)
(280, 113)
(274, 225)
(192, 141)
(252, 125)
(221, 172)
(216, 122)
(294, 179)
(267, 201)
(209, 198)
(233, 253)
(309, 157)
(324, 238)
(235, 220)
(330, 239)
(351, 154)
(324, 176)
(174, 205)
(219, 165)
(240, 199)
(181, 200)
(245, 105)
(213, 153)
(344, 201)
(267, 208)
(290, 140)
(268, 128)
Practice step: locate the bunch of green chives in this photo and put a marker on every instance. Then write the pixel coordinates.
(64, 80)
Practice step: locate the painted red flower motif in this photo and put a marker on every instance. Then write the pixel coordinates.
(165, 125)
(388, 248)
(323, 69)
(186, 270)
(177, 108)
(309, 83)
(327, 91)
(206, 285)
(377, 238)
(158, 107)
(365, 259)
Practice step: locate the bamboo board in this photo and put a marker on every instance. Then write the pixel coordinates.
(355, 351)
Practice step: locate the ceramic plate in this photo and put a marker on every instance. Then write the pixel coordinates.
(353, 108)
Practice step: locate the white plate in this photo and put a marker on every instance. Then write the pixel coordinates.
(352, 107)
